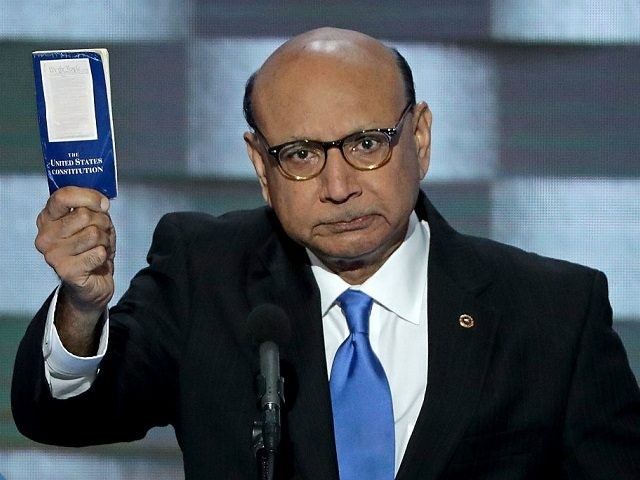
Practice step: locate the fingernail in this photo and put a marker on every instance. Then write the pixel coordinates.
(104, 204)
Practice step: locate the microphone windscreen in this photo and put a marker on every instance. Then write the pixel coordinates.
(268, 322)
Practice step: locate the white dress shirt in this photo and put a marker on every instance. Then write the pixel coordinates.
(397, 331)
(69, 375)
(397, 325)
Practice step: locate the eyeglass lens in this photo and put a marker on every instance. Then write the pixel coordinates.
(362, 150)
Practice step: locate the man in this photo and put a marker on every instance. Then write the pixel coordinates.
(499, 364)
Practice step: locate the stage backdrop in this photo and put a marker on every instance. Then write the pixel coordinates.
(536, 142)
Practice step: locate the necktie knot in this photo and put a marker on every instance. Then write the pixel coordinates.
(356, 306)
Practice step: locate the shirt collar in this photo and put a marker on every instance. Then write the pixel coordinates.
(398, 285)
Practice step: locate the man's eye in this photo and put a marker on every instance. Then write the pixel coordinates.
(298, 153)
(366, 144)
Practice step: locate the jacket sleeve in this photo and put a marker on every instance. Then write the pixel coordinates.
(136, 386)
(602, 425)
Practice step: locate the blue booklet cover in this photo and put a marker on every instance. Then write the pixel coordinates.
(73, 98)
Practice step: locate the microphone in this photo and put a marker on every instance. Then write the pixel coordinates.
(269, 328)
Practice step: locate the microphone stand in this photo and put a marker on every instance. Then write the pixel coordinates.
(266, 431)
(268, 327)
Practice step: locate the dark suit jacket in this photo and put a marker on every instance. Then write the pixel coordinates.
(538, 388)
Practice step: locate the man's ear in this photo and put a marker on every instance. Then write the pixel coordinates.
(255, 151)
(422, 135)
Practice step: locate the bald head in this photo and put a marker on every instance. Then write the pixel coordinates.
(331, 50)
(335, 42)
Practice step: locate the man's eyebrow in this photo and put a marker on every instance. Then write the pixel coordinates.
(312, 139)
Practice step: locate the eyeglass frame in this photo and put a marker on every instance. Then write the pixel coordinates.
(393, 134)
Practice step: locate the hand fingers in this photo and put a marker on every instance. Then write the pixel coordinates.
(79, 219)
(90, 277)
(80, 266)
(77, 227)
(74, 221)
(112, 245)
(64, 200)
(56, 253)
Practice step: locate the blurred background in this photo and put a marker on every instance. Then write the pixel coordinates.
(536, 143)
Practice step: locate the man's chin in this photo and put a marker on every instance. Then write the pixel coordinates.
(348, 258)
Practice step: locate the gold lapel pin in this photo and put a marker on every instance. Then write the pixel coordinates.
(466, 321)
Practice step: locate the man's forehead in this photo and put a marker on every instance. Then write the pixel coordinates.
(326, 73)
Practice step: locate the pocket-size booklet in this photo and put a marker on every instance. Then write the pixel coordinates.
(73, 97)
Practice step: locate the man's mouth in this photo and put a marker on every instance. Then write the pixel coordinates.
(351, 224)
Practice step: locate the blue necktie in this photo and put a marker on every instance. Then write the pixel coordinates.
(361, 399)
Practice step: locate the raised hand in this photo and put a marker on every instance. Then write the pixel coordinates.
(78, 240)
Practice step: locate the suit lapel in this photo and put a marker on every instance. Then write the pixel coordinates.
(458, 355)
(281, 276)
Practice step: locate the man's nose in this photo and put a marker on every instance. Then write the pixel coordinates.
(339, 179)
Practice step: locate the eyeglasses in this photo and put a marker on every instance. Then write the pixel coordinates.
(363, 150)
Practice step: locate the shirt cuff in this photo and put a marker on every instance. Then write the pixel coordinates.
(67, 374)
